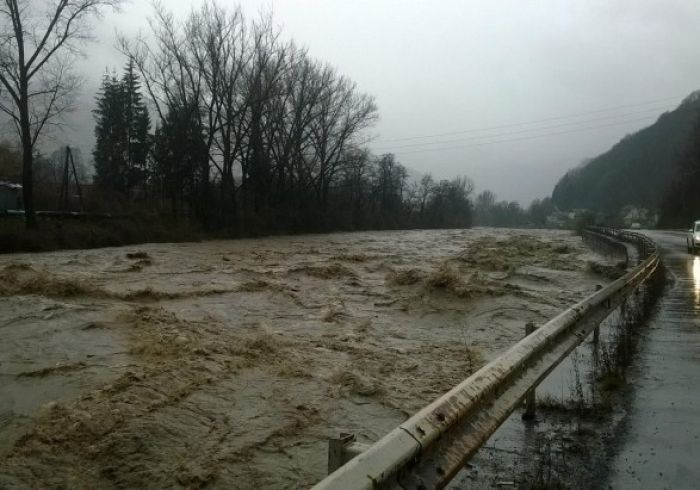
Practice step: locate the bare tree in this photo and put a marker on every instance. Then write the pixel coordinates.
(39, 42)
(263, 82)
(197, 64)
(276, 125)
(427, 184)
(218, 42)
(342, 115)
(485, 204)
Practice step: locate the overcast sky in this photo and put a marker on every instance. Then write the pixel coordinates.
(444, 71)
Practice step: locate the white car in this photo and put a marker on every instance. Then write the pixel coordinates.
(693, 238)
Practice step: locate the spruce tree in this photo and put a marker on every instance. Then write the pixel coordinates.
(137, 125)
(179, 155)
(121, 130)
(109, 119)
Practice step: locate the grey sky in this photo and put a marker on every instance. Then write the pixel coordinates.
(448, 66)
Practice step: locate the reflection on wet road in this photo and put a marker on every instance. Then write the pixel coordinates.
(661, 445)
(696, 284)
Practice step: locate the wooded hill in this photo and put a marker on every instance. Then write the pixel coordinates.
(636, 171)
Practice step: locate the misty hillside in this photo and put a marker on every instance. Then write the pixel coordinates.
(635, 171)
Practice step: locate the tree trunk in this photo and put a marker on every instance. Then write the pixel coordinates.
(27, 161)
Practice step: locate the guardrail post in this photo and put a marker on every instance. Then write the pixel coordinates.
(529, 413)
(596, 332)
(335, 454)
(342, 449)
(336, 451)
(429, 448)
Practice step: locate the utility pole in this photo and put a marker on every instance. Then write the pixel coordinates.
(64, 196)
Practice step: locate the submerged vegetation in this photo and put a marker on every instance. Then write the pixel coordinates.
(580, 422)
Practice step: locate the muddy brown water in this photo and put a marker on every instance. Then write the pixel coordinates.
(228, 364)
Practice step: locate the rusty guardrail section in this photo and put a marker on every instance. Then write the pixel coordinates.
(428, 450)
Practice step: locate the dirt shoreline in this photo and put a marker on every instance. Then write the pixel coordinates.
(229, 364)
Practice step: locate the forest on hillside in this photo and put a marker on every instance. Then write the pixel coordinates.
(680, 204)
(636, 172)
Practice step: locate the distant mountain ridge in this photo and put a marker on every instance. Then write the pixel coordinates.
(635, 171)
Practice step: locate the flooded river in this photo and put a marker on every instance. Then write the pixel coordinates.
(229, 364)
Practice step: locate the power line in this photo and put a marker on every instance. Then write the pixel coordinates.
(536, 121)
(530, 130)
(524, 137)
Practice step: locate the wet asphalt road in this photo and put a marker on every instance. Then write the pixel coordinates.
(660, 448)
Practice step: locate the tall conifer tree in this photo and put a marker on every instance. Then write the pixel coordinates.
(121, 131)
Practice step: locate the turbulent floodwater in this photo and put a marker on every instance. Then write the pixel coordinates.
(229, 364)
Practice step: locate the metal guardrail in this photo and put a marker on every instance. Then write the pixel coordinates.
(428, 450)
(601, 242)
(645, 246)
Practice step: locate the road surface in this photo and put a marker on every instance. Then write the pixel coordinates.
(660, 448)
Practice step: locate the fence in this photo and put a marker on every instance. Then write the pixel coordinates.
(427, 451)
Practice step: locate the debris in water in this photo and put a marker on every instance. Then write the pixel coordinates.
(405, 277)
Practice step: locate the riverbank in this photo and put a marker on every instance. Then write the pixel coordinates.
(76, 233)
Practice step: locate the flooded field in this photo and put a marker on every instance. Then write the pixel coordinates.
(229, 364)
